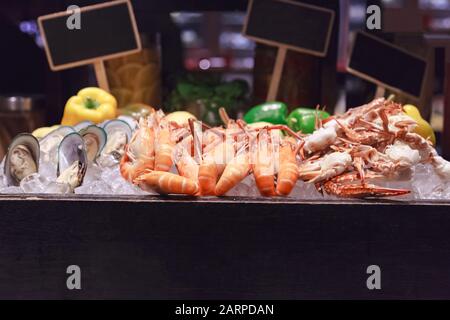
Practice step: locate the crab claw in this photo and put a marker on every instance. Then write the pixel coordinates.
(362, 191)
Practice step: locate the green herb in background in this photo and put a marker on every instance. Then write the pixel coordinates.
(203, 95)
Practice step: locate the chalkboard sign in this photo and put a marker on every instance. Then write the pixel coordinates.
(387, 65)
(294, 25)
(108, 30)
(288, 25)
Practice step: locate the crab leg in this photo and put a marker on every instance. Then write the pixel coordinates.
(362, 191)
(337, 187)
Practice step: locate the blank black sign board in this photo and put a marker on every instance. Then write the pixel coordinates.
(387, 65)
(108, 30)
(105, 32)
(297, 26)
(288, 25)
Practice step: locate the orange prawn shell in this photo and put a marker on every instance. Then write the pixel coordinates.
(234, 173)
(139, 152)
(164, 149)
(207, 176)
(288, 169)
(167, 183)
(264, 167)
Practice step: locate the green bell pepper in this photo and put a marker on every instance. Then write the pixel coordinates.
(273, 112)
(304, 119)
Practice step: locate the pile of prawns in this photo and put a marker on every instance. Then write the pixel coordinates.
(345, 153)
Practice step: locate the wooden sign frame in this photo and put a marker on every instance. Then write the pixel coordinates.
(282, 47)
(381, 84)
(290, 47)
(97, 59)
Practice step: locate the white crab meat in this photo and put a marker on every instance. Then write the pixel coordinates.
(336, 161)
(320, 139)
(441, 167)
(427, 153)
(329, 166)
(401, 152)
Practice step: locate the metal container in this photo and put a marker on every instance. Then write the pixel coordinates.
(20, 103)
(18, 114)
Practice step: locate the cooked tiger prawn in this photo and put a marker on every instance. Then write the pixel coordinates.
(167, 134)
(164, 147)
(288, 170)
(235, 171)
(274, 160)
(239, 167)
(207, 172)
(211, 167)
(166, 183)
(186, 165)
(139, 153)
(217, 150)
(264, 162)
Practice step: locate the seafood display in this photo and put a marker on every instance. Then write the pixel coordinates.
(369, 151)
(68, 158)
(344, 157)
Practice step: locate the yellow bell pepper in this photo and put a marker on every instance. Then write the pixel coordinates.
(92, 104)
(423, 128)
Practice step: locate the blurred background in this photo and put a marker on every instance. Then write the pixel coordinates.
(195, 58)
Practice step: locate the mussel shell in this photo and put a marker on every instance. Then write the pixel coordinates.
(129, 120)
(100, 136)
(61, 131)
(118, 125)
(82, 125)
(31, 143)
(71, 149)
(50, 143)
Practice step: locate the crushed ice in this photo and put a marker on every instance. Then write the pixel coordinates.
(423, 183)
(98, 180)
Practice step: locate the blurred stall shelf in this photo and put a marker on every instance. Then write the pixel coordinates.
(19, 114)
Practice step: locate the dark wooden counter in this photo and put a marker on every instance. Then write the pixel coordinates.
(151, 247)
